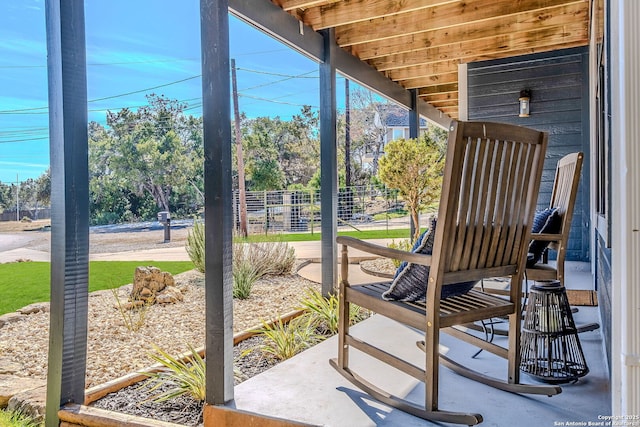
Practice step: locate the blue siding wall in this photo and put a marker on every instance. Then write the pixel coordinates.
(603, 280)
(559, 105)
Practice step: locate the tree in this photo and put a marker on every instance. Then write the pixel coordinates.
(414, 167)
(281, 153)
(368, 126)
(152, 150)
(43, 188)
(5, 196)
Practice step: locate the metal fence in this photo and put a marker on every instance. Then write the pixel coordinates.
(299, 210)
(38, 213)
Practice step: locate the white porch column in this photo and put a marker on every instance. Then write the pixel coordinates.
(625, 65)
(463, 92)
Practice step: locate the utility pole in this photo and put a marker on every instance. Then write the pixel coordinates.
(241, 184)
(17, 198)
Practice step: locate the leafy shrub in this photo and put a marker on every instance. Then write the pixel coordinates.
(403, 245)
(324, 311)
(244, 276)
(283, 341)
(187, 376)
(195, 245)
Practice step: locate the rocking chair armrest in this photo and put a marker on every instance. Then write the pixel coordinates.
(384, 251)
(547, 237)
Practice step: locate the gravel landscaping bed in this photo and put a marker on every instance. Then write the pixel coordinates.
(113, 350)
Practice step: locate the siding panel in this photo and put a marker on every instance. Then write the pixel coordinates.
(557, 81)
(603, 280)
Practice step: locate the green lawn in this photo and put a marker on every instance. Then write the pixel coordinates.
(23, 283)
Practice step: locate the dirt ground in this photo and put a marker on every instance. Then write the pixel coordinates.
(99, 241)
(17, 226)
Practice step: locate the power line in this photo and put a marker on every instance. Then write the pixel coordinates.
(278, 102)
(98, 64)
(149, 61)
(23, 140)
(21, 111)
(277, 74)
(37, 110)
(299, 76)
(146, 89)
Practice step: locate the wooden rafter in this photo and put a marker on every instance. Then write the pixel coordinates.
(349, 12)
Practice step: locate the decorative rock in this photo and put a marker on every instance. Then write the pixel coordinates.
(170, 295)
(30, 402)
(11, 386)
(35, 308)
(153, 285)
(133, 304)
(5, 319)
(168, 279)
(152, 279)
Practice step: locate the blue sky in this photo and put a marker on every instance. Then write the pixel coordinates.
(134, 48)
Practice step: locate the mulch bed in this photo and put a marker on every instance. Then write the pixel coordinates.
(134, 399)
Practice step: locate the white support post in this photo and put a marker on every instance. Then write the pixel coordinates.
(463, 92)
(625, 312)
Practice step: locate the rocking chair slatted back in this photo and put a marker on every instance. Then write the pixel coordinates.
(487, 203)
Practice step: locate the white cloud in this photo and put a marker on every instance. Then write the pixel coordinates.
(25, 164)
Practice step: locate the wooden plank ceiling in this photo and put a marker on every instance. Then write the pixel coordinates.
(419, 43)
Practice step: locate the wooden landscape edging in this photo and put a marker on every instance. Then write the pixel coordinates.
(215, 416)
(94, 393)
(74, 415)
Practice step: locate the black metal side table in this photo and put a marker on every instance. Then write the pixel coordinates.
(550, 348)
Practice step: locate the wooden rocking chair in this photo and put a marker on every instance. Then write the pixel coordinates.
(491, 181)
(563, 198)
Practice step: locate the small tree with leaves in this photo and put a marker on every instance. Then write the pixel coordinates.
(414, 167)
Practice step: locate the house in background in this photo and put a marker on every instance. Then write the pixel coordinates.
(395, 120)
(388, 122)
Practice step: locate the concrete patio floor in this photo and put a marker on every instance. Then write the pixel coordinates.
(306, 389)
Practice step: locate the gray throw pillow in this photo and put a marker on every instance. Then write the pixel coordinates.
(410, 280)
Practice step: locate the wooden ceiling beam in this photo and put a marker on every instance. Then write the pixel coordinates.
(349, 12)
(443, 96)
(524, 51)
(450, 111)
(436, 79)
(393, 37)
(442, 104)
(292, 5)
(448, 57)
(437, 88)
(424, 70)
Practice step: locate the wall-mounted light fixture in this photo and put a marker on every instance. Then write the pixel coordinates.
(525, 97)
